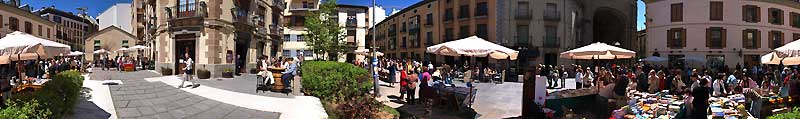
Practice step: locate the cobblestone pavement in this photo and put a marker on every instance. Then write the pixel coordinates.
(137, 98)
(246, 83)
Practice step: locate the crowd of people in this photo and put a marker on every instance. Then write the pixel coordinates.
(40, 68)
(696, 84)
(107, 63)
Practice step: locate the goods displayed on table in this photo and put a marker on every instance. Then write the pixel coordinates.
(568, 93)
(661, 105)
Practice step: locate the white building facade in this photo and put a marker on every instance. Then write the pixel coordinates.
(352, 17)
(717, 33)
(116, 15)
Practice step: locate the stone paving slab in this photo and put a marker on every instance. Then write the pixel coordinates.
(137, 98)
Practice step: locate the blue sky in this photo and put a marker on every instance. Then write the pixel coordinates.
(97, 6)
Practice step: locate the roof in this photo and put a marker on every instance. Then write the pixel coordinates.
(24, 13)
(107, 29)
(70, 15)
(415, 5)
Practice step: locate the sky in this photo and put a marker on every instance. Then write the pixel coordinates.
(97, 6)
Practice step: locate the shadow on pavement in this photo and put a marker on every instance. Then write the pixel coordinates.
(85, 109)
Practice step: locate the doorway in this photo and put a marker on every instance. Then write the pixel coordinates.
(183, 46)
(242, 46)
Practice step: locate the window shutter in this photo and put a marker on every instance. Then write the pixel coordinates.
(744, 13)
(670, 37)
(724, 38)
(758, 39)
(782, 39)
(746, 43)
(708, 37)
(683, 37)
(769, 39)
(758, 14)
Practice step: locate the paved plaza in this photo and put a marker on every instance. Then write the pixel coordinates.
(137, 98)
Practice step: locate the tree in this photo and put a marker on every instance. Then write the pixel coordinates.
(325, 36)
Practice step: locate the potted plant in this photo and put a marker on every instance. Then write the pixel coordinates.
(227, 73)
(166, 71)
(203, 73)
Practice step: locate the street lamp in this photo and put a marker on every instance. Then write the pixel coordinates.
(374, 57)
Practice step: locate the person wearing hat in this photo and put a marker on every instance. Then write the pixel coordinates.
(588, 77)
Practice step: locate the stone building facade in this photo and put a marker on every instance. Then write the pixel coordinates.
(718, 33)
(539, 29)
(218, 35)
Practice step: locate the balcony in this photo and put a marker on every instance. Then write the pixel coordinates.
(185, 15)
(303, 7)
(523, 14)
(552, 15)
(278, 5)
(275, 30)
(351, 22)
(550, 42)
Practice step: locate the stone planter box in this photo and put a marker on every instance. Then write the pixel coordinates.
(227, 74)
(203, 74)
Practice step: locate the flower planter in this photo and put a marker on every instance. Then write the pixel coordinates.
(227, 74)
(203, 74)
(166, 71)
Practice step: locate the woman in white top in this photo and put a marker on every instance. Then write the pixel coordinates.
(265, 72)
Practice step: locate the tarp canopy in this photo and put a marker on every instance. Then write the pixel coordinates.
(654, 59)
(598, 51)
(773, 58)
(26, 46)
(473, 46)
(791, 49)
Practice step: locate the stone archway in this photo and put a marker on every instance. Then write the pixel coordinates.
(609, 26)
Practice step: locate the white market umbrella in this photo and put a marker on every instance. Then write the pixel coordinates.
(26, 46)
(773, 58)
(139, 47)
(473, 46)
(100, 51)
(75, 53)
(122, 50)
(598, 51)
(366, 52)
(791, 49)
(654, 59)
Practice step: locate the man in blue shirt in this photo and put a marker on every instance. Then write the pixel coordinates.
(288, 75)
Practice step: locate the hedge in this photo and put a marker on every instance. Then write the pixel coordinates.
(333, 81)
(58, 96)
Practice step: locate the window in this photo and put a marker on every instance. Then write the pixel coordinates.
(775, 39)
(28, 27)
(715, 38)
(48, 31)
(57, 19)
(404, 43)
(13, 23)
(677, 37)
(716, 11)
(448, 34)
(750, 13)
(428, 38)
(125, 43)
(300, 38)
(287, 53)
(481, 31)
(403, 27)
(308, 53)
(482, 9)
(522, 34)
(795, 19)
(429, 19)
(676, 12)
(351, 32)
(59, 35)
(463, 31)
(448, 14)
(39, 28)
(551, 11)
(751, 38)
(463, 11)
(186, 8)
(1, 21)
(551, 36)
(715, 61)
(775, 16)
(795, 36)
(287, 38)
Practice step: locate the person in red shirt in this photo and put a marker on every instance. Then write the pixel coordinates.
(403, 83)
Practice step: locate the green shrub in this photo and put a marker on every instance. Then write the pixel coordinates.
(28, 109)
(58, 95)
(794, 114)
(333, 81)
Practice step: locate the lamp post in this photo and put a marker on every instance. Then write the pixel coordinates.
(374, 57)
